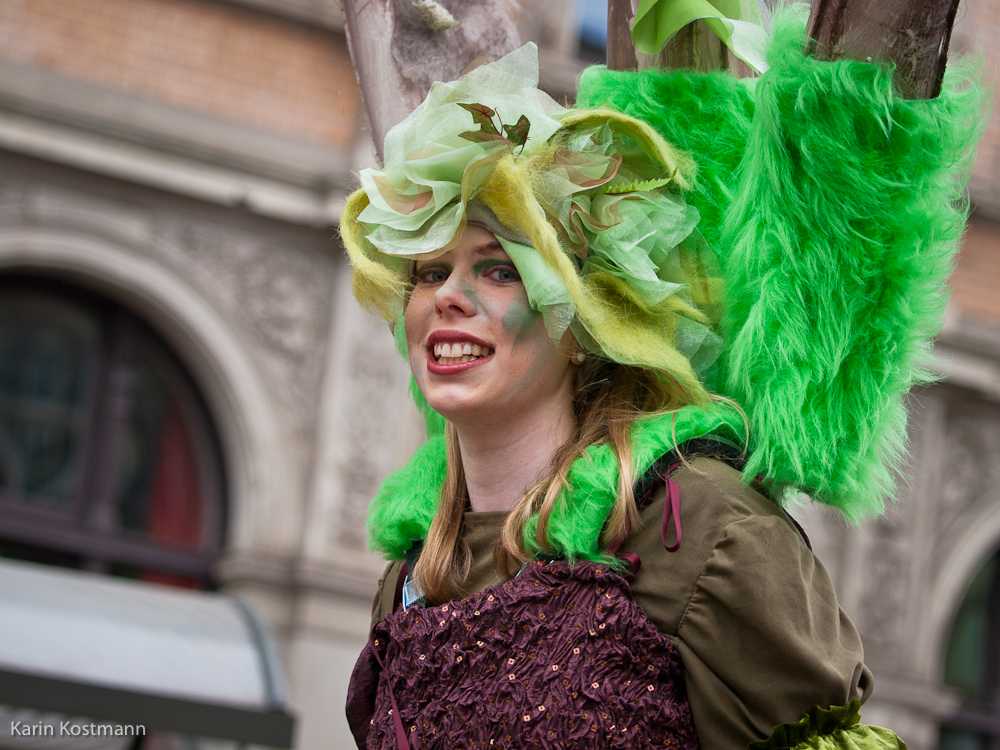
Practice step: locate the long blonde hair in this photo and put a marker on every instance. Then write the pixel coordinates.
(607, 399)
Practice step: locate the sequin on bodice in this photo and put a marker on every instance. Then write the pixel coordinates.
(559, 657)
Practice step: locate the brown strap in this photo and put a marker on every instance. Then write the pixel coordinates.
(397, 597)
(397, 720)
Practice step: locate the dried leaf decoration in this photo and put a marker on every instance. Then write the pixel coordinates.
(516, 135)
(482, 116)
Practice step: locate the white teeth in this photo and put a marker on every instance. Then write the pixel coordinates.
(454, 353)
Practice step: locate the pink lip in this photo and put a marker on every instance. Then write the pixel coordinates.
(450, 336)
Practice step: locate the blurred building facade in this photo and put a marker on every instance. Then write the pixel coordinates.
(188, 393)
(171, 176)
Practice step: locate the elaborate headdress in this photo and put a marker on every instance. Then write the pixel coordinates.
(587, 203)
(835, 217)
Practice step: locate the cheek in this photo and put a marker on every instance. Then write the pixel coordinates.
(415, 321)
(415, 314)
(542, 360)
(519, 321)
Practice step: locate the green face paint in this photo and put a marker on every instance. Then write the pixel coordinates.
(517, 320)
(469, 293)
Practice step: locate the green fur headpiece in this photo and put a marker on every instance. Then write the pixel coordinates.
(836, 208)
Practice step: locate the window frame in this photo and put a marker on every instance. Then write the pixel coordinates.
(980, 715)
(86, 528)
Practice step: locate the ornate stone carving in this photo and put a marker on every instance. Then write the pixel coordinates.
(275, 288)
(885, 584)
(377, 418)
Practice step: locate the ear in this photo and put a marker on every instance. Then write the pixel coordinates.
(577, 355)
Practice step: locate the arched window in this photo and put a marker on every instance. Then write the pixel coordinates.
(972, 664)
(108, 458)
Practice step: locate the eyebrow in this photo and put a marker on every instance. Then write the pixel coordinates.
(483, 250)
(488, 248)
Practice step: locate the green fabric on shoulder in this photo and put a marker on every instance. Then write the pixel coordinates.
(835, 728)
(404, 507)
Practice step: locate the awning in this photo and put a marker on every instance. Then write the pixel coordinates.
(135, 653)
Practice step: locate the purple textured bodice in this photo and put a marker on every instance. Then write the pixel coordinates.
(559, 657)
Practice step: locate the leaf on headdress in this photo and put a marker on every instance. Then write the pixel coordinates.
(637, 186)
(518, 133)
(478, 136)
(482, 116)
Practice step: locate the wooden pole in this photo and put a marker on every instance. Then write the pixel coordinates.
(912, 34)
(397, 57)
(695, 46)
(621, 51)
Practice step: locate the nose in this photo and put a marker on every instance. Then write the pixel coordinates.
(454, 296)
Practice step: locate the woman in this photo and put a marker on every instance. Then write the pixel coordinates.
(554, 284)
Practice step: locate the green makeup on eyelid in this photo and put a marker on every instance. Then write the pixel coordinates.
(489, 263)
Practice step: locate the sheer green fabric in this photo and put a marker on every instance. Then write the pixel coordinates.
(740, 24)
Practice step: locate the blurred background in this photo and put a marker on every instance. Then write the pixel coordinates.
(194, 413)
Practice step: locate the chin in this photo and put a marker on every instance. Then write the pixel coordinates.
(455, 403)
(455, 410)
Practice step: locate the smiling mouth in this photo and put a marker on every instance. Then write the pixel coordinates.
(459, 352)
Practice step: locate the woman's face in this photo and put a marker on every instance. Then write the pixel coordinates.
(476, 348)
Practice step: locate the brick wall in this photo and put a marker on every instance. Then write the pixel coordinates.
(196, 54)
(977, 32)
(977, 278)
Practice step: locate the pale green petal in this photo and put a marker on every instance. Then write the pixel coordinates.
(698, 343)
(509, 86)
(427, 242)
(546, 292)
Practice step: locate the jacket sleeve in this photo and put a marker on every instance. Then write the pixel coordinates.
(763, 638)
(752, 612)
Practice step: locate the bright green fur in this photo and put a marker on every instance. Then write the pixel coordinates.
(845, 208)
(401, 513)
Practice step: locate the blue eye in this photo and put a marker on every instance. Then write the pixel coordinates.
(431, 276)
(504, 273)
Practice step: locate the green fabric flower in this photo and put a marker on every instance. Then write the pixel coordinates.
(417, 203)
(586, 202)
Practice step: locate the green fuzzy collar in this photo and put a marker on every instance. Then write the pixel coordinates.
(402, 511)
